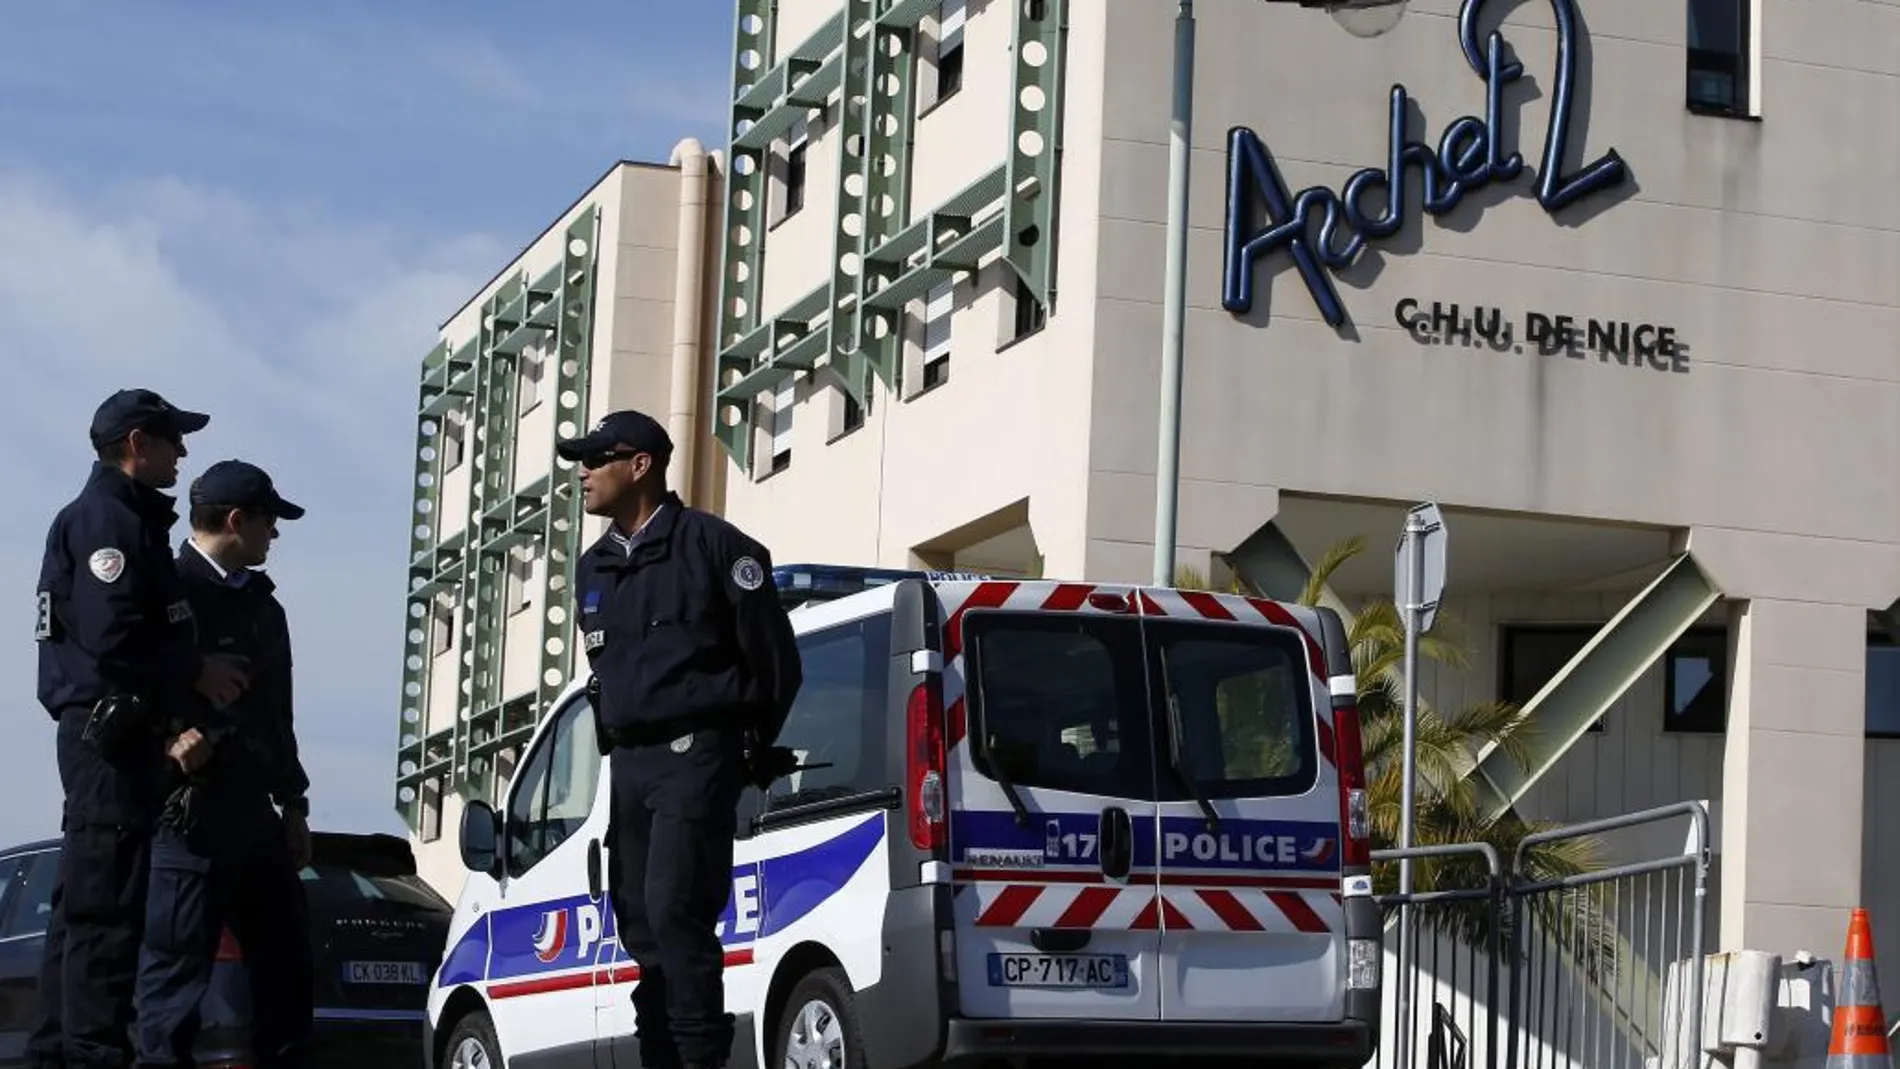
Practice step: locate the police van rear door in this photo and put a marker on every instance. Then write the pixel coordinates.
(1250, 811)
(1051, 774)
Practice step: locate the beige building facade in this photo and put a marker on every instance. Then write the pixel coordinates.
(605, 309)
(1643, 354)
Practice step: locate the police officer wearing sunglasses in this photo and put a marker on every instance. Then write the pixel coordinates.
(694, 671)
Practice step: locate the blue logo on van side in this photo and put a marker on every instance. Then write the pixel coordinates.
(768, 896)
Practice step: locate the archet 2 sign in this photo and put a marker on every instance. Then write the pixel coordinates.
(1470, 156)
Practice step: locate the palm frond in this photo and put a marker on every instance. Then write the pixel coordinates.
(1336, 555)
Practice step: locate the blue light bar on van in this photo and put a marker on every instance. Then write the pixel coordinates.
(801, 583)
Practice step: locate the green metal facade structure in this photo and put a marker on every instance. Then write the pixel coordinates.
(884, 253)
(481, 376)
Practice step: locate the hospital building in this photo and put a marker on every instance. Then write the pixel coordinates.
(1615, 283)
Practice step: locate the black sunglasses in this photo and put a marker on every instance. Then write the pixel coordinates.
(593, 461)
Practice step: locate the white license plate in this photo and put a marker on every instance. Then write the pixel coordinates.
(383, 972)
(1072, 971)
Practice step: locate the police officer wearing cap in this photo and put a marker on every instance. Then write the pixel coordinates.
(223, 855)
(694, 671)
(118, 671)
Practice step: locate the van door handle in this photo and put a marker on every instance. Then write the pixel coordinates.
(1117, 839)
(593, 868)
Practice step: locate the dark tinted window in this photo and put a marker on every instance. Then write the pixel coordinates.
(840, 716)
(1695, 683)
(1718, 54)
(1533, 654)
(342, 889)
(554, 792)
(31, 905)
(1060, 702)
(9, 876)
(1241, 711)
(1883, 687)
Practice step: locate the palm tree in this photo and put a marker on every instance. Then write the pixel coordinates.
(1446, 812)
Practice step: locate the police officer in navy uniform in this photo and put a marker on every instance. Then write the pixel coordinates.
(117, 670)
(223, 855)
(694, 671)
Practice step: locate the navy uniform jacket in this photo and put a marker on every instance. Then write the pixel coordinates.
(685, 630)
(112, 613)
(255, 737)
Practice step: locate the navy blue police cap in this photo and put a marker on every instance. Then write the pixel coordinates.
(244, 486)
(633, 430)
(142, 410)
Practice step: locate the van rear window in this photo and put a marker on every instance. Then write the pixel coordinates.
(1059, 702)
(1075, 703)
(1242, 700)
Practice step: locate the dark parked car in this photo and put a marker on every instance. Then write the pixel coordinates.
(377, 934)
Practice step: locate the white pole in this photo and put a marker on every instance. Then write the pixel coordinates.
(1414, 595)
(1174, 299)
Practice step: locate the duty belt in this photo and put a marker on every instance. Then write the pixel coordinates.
(656, 732)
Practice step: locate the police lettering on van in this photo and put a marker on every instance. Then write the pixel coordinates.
(1113, 819)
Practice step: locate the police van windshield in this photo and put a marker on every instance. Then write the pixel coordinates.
(1078, 704)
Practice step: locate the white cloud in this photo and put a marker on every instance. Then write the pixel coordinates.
(301, 334)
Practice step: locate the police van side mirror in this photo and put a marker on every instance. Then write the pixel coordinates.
(481, 839)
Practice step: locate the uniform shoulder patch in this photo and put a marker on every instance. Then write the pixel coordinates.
(106, 564)
(747, 574)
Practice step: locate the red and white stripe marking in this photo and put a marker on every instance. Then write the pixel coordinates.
(1103, 907)
(1039, 596)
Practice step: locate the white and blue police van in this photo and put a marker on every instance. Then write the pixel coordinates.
(1033, 820)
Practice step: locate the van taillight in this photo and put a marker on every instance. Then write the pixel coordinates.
(924, 769)
(1349, 755)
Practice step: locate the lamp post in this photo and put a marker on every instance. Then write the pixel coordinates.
(1362, 18)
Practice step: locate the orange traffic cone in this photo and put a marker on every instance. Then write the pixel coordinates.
(1860, 1028)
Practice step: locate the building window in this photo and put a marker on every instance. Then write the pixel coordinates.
(784, 400)
(1695, 683)
(1883, 686)
(1030, 314)
(795, 178)
(793, 172)
(454, 439)
(1530, 655)
(937, 310)
(429, 828)
(950, 19)
(853, 413)
(442, 629)
(1718, 56)
(528, 379)
(1695, 672)
(520, 580)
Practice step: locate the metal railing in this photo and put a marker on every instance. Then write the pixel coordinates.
(1506, 969)
(1449, 953)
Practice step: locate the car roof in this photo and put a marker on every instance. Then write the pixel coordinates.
(37, 846)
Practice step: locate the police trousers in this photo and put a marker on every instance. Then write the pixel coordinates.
(231, 870)
(92, 938)
(674, 812)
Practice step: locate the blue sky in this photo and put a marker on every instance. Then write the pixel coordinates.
(263, 211)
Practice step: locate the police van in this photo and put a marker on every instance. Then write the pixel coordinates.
(1032, 819)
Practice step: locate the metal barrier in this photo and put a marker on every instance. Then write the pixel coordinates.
(1512, 972)
(1449, 954)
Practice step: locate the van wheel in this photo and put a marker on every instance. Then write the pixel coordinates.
(472, 1044)
(818, 1029)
